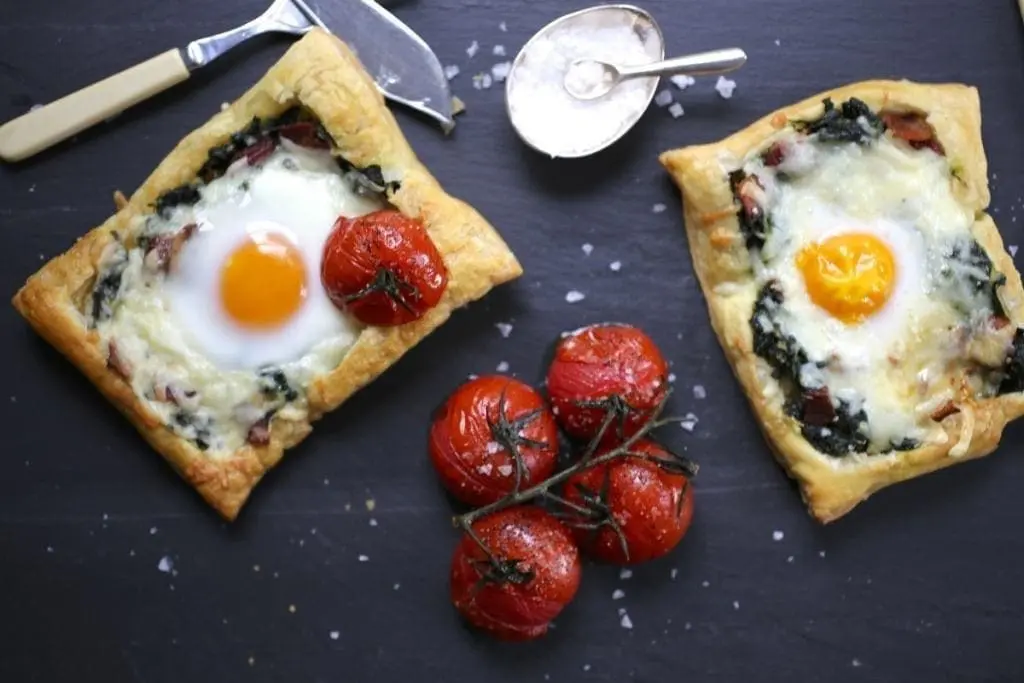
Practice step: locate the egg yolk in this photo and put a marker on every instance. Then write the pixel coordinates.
(851, 275)
(263, 282)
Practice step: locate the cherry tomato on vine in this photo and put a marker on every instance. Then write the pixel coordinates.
(382, 268)
(528, 574)
(606, 368)
(479, 432)
(649, 500)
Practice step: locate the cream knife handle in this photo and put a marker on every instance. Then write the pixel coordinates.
(41, 128)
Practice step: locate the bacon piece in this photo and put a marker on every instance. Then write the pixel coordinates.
(818, 408)
(304, 134)
(116, 363)
(998, 322)
(165, 393)
(164, 249)
(913, 128)
(259, 151)
(945, 410)
(749, 192)
(774, 155)
(259, 433)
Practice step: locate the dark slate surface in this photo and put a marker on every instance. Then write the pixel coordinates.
(922, 583)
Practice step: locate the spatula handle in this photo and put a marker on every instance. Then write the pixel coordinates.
(41, 128)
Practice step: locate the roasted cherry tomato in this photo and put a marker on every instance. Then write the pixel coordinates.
(605, 369)
(383, 268)
(528, 574)
(479, 430)
(650, 501)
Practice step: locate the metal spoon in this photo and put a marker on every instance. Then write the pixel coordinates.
(588, 79)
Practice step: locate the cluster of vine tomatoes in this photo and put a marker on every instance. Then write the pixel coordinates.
(624, 499)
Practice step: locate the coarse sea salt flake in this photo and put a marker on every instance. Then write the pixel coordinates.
(482, 81)
(451, 71)
(473, 48)
(725, 87)
(615, 266)
(676, 110)
(498, 51)
(1012, 249)
(505, 470)
(618, 594)
(502, 26)
(588, 249)
(689, 422)
(682, 81)
(500, 71)
(625, 574)
(626, 622)
(335, 635)
(659, 208)
(364, 558)
(574, 296)
(663, 98)
(505, 329)
(778, 535)
(502, 366)
(165, 564)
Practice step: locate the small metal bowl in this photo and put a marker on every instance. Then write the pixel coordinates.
(648, 31)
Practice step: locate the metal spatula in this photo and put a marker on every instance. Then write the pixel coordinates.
(405, 68)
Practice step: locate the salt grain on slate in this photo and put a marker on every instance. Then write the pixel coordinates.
(588, 248)
(705, 583)
(821, 553)
(735, 604)
(689, 422)
(498, 51)
(671, 377)
(1012, 249)
(373, 522)
(500, 71)
(725, 87)
(663, 99)
(674, 573)
(699, 391)
(335, 635)
(371, 504)
(855, 663)
(625, 574)
(682, 81)
(482, 81)
(165, 565)
(586, 667)
(505, 329)
(292, 609)
(789, 559)
(574, 296)
(626, 622)
(364, 558)
(778, 535)
(152, 531)
(451, 71)
(502, 367)
(676, 110)
(472, 49)
(658, 208)
(778, 42)
(615, 266)
(618, 594)
(49, 548)
(503, 27)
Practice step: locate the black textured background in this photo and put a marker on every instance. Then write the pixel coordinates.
(921, 583)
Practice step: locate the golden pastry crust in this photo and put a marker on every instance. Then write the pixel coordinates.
(321, 73)
(832, 486)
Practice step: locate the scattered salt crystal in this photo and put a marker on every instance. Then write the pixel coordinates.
(855, 663)
(622, 610)
(674, 573)
(687, 626)
(682, 81)
(671, 377)
(152, 531)
(790, 559)
(32, 188)
(165, 565)
(699, 391)
(615, 266)
(625, 574)
(735, 604)
(658, 208)
(503, 27)
(327, 482)
(778, 42)
(502, 367)
(588, 248)
(485, 469)
(626, 622)
(1013, 249)
(498, 51)
(49, 548)
(371, 504)
(364, 558)
(131, 553)
(396, 586)
(292, 609)
(821, 553)
(451, 71)
(348, 507)
(705, 583)
(725, 87)
(778, 535)
(664, 98)
(505, 470)
(252, 660)
(482, 81)
(689, 422)
(573, 296)
(35, 106)
(586, 667)
(255, 567)
(618, 594)
(335, 635)
(373, 522)
(473, 48)
(500, 71)
(676, 110)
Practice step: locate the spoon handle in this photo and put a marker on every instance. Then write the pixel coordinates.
(701, 64)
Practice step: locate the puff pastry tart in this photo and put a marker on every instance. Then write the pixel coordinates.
(199, 309)
(861, 293)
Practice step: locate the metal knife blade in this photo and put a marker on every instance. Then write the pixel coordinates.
(403, 65)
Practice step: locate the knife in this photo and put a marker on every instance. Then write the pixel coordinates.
(404, 67)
